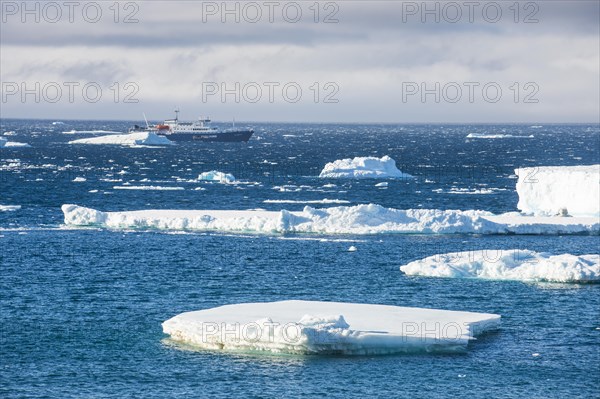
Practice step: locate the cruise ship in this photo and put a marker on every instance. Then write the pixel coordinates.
(199, 130)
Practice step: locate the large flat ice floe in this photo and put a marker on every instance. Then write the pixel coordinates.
(363, 167)
(4, 143)
(515, 264)
(91, 132)
(9, 208)
(308, 327)
(132, 139)
(359, 219)
(497, 136)
(552, 190)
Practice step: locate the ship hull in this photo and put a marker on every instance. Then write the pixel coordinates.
(224, 136)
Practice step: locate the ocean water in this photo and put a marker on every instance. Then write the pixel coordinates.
(81, 309)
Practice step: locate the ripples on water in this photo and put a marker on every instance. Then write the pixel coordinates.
(81, 309)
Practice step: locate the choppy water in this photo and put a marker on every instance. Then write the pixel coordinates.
(81, 309)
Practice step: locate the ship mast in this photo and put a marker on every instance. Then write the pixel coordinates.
(176, 114)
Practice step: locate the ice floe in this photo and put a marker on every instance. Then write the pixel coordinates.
(313, 328)
(11, 144)
(132, 139)
(559, 190)
(497, 136)
(92, 132)
(216, 176)
(515, 264)
(8, 208)
(148, 188)
(466, 191)
(359, 219)
(363, 167)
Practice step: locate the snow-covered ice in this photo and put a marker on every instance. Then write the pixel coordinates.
(556, 190)
(4, 143)
(311, 327)
(466, 191)
(359, 219)
(514, 264)
(92, 132)
(7, 208)
(149, 188)
(363, 167)
(132, 139)
(216, 176)
(497, 136)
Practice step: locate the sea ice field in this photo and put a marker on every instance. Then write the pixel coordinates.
(116, 255)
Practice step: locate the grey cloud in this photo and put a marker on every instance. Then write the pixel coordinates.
(177, 24)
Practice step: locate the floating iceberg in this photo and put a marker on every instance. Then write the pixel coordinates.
(148, 188)
(466, 191)
(359, 219)
(515, 264)
(11, 144)
(132, 139)
(8, 208)
(310, 327)
(559, 190)
(215, 175)
(363, 167)
(91, 132)
(497, 136)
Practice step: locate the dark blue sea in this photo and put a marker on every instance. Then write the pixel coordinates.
(81, 309)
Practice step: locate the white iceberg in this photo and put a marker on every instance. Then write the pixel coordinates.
(559, 190)
(216, 176)
(311, 327)
(515, 264)
(132, 139)
(9, 208)
(11, 144)
(363, 167)
(497, 136)
(148, 188)
(466, 191)
(91, 132)
(359, 219)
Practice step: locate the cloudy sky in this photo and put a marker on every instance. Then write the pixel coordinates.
(343, 61)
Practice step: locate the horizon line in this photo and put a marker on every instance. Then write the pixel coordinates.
(326, 123)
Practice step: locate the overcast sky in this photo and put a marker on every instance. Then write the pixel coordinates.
(353, 61)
